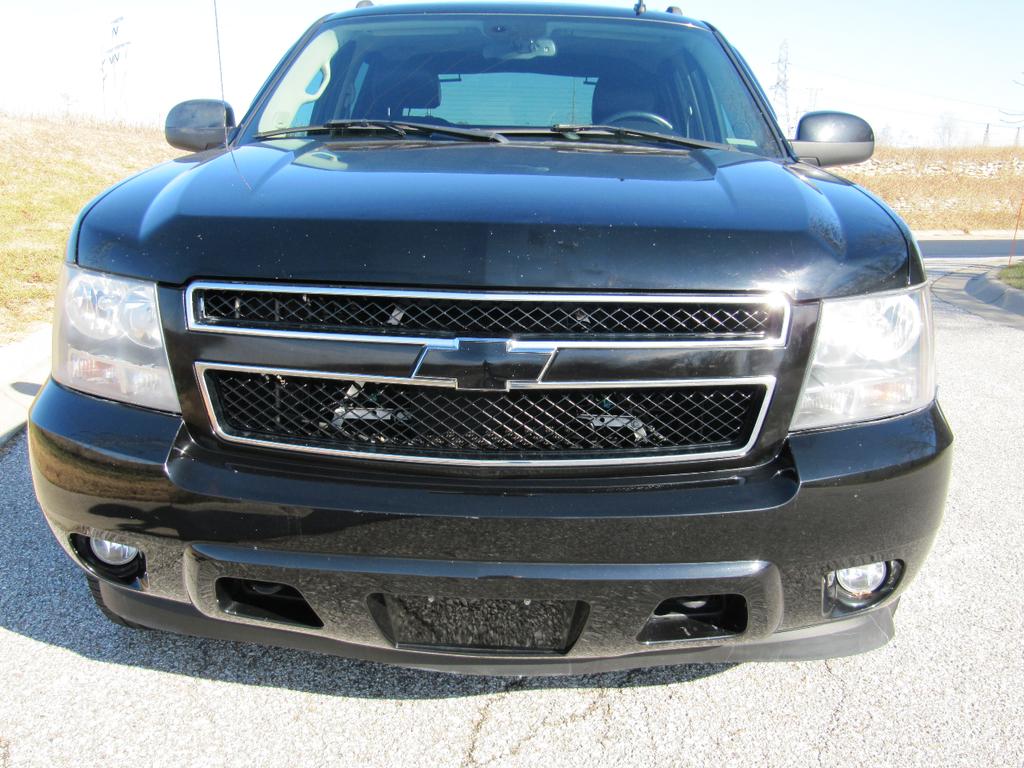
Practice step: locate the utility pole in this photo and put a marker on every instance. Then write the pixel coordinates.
(1013, 118)
(984, 141)
(780, 91)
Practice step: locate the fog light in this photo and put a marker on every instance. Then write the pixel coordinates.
(111, 553)
(862, 580)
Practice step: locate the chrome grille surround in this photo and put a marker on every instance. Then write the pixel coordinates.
(226, 433)
(437, 352)
(609, 306)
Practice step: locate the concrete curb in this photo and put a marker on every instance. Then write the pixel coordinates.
(24, 366)
(988, 288)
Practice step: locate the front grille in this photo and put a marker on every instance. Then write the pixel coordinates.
(407, 420)
(447, 316)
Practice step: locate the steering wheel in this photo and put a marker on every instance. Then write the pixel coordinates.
(648, 116)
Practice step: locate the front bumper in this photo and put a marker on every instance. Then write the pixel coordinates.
(340, 534)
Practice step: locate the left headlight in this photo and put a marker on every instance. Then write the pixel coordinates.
(108, 341)
(872, 359)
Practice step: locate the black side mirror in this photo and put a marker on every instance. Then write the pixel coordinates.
(833, 138)
(199, 124)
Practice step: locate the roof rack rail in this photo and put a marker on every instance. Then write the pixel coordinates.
(364, 4)
(674, 9)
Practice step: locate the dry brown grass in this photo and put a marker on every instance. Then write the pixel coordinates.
(967, 189)
(49, 169)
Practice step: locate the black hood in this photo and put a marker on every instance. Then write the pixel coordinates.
(520, 215)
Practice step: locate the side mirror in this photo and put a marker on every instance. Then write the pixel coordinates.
(833, 138)
(198, 124)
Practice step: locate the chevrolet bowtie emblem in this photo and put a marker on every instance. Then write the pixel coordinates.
(482, 365)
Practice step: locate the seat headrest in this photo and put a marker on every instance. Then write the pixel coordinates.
(409, 90)
(623, 92)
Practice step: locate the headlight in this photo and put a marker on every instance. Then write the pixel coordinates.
(108, 342)
(872, 359)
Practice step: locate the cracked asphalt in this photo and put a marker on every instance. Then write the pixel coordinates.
(949, 690)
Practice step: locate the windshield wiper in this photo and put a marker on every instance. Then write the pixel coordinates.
(402, 129)
(578, 131)
(398, 128)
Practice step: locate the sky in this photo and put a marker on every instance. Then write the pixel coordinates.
(922, 72)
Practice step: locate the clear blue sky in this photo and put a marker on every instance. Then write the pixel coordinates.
(906, 66)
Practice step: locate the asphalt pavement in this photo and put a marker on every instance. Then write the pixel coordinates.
(949, 690)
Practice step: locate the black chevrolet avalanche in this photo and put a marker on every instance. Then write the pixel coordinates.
(507, 339)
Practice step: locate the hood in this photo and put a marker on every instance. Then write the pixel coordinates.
(512, 216)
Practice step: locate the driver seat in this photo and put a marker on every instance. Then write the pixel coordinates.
(390, 93)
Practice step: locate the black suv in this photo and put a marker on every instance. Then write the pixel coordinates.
(498, 338)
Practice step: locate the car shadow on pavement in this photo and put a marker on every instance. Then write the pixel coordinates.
(44, 597)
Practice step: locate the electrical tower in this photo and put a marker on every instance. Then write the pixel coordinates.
(780, 91)
(113, 69)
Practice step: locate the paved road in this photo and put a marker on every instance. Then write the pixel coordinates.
(971, 248)
(948, 691)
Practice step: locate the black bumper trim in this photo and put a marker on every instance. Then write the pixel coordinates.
(620, 597)
(404, 566)
(865, 632)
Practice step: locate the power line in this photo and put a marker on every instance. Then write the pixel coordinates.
(783, 82)
(819, 71)
(918, 113)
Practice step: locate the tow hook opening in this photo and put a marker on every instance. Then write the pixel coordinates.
(266, 601)
(696, 618)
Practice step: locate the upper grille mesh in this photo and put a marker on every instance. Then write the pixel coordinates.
(440, 422)
(452, 317)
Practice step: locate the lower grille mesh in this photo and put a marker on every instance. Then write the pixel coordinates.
(401, 419)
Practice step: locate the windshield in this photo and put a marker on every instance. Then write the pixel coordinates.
(495, 71)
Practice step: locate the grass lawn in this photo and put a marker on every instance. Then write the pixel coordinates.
(49, 169)
(1013, 276)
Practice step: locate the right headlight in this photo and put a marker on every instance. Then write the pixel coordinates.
(873, 358)
(108, 341)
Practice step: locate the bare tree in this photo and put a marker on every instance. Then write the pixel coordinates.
(884, 137)
(946, 128)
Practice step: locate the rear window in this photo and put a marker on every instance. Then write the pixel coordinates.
(512, 98)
